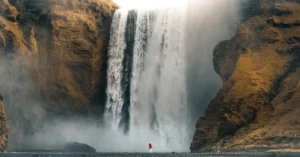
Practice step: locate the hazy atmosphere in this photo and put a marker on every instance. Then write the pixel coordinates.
(125, 75)
(187, 45)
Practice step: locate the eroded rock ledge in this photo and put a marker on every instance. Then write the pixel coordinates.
(259, 103)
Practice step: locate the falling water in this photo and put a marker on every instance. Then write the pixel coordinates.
(141, 38)
(115, 67)
(161, 89)
(152, 58)
(148, 73)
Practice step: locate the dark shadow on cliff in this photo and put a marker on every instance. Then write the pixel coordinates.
(205, 29)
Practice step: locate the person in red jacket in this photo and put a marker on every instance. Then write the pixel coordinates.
(150, 147)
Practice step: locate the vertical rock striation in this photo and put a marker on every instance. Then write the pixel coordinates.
(74, 71)
(68, 40)
(61, 47)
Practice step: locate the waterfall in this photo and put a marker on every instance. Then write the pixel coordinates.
(146, 81)
(160, 72)
(141, 38)
(161, 90)
(115, 98)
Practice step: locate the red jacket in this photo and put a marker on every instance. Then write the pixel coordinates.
(150, 146)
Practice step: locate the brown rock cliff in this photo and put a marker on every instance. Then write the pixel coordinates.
(67, 40)
(76, 63)
(259, 103)
(61, 46)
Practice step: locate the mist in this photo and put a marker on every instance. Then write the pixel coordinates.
(173, 77)
(103, 139)
(23, 106)
(32, 126)
(208, 23)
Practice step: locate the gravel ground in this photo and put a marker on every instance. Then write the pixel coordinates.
(149, 155)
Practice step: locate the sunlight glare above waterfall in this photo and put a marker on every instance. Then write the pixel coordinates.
(149, 4)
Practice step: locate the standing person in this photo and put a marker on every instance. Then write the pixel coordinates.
(150, 147)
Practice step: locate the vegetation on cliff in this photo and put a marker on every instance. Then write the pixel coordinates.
(76, 66)
(57, 50)
(258, 105)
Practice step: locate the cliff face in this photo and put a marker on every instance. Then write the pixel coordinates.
(67, 43)
(258, 105)
(55, 53)
(76, 63)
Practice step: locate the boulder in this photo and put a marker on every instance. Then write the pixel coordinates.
(79, 147)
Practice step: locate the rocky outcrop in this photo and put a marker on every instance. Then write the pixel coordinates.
(12, 39)
(258, 105)
(75, 70)
(68, 41)
(3, 127)
(79, 147)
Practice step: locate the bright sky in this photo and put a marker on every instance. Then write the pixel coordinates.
(142, 4)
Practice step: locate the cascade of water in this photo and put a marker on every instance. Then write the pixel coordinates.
(155, 67)
(138, 61)
(161, 89)
(127, 70)
(115, 98)
(151, 72)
